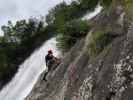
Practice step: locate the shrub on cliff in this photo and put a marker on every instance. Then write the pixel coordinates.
(71, 32)
(99, 41)
(65, 19)
(105, 3)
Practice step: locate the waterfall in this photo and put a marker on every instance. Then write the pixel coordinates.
(92, 14)
(26, 77)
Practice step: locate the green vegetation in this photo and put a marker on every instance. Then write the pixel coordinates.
(63, 20)
(18, 42)
(4, 69)
(99, 41)
(129, 9)
(1, 39)
(66, 21)
(63, 12)
(71, 32)
(129, 2)
(105, 3)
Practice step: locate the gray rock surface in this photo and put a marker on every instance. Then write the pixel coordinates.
(108, 76)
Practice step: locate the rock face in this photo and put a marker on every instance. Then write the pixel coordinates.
(108, 76)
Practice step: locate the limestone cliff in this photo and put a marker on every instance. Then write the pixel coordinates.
(106, 75)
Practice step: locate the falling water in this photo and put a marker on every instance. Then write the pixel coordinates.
(28, 73)
(92, 14)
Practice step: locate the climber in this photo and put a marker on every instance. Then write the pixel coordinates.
(51, 62)
(49, 59)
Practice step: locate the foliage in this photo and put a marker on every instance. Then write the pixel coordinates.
(99, 41)
(106, 3)
(63, 12)
(22, 30)
(19, 40)
(88, 4)
(71, 32)
(24, 36)
(65, 19)
(1, 39)
(129, 7)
